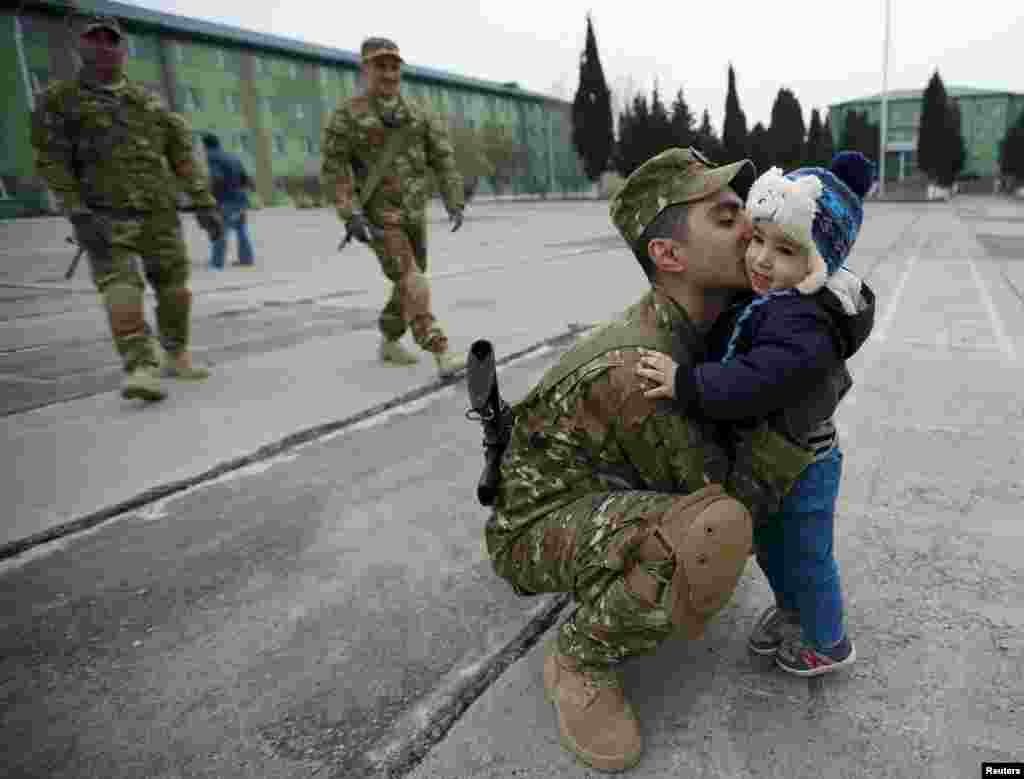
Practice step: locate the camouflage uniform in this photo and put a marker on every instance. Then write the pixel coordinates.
(595, 473)
(120, 153)
(355, 137)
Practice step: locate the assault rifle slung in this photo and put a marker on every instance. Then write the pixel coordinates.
(494, 415)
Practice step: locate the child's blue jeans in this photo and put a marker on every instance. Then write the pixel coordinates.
(794, 549)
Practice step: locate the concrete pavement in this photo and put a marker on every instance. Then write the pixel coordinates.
(930, 542)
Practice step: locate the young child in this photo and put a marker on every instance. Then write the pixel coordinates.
(780, 367)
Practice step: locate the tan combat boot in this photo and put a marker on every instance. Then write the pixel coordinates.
(595, 721)
(393, 351)
(143, 383)
(449, 364)
(180, 366)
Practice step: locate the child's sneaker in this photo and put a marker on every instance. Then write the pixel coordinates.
(802, 659)
(774, 626)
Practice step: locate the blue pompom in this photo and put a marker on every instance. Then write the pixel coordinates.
(855, 170)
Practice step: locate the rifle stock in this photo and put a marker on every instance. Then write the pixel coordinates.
(494, 415)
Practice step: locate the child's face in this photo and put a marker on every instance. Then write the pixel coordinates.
(775, 261)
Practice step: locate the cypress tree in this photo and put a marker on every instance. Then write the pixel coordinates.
(734, 127)
(682, 121)
(787, 130)
(592, 130)
(660, 128)
(706, 139)
(761, 152)
(1011, 151)
(828, 146)
(933, 146)
(957, 155)
(814, 153)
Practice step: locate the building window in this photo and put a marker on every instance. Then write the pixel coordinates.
(133, 48)
(279, 144)
(300, 111)
(293, 70)
(259, 66)
(267, 104)
(222, 60)
(231, 102)
(325, 76)
(244, 141)
(179, 52)
(310, 146)
(192, 98)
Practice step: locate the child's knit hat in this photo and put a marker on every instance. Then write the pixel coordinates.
(820, 209)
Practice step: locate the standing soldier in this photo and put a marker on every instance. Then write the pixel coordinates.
(377, 149)
(115, 157)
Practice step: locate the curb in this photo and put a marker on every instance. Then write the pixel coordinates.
(265, 452)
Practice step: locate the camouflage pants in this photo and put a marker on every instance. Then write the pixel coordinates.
(586, 548)
(157, 240)
(402, 253)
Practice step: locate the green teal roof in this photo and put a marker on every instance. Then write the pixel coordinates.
(213, 31)
(915, 94)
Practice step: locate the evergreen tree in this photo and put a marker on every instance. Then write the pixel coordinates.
(787, 130)
(761, 152)
(957, 156)
(635, 141)
(828, 147)
(734, 127)
(1011, 151)
(933, 146)
(682, 121)
(706, 140)
(815, 154)
(592, 131)
(660, 128)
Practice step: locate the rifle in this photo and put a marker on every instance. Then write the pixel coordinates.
(78, 257)
(494, 414)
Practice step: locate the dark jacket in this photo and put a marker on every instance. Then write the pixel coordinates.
(789, 352)
(228, 178)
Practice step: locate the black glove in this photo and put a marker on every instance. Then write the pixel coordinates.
(456, 218)
(212, 222)
(91, 232)
(361, 228)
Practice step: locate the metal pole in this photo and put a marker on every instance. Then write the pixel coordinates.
(884, 130)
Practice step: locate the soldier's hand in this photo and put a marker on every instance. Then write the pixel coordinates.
(212, 222)
(456, 218)
(659, 371)
(360, 228)
(91, 232)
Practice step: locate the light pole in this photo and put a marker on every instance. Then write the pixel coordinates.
(884, 130)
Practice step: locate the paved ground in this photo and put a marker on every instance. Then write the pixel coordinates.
(329, 611)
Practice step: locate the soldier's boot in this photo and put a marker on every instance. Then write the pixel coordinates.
(180, 366)
(449, 364)
(595, 721)
(143, 382)
(708, 535)
(393, 351)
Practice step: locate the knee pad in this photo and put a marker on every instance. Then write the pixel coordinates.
(710, 536)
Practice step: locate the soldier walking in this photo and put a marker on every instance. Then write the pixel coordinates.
(115, 156)
(376, 152)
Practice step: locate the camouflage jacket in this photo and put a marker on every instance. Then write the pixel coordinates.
(117, 148)
(594, 430)
(352, 144)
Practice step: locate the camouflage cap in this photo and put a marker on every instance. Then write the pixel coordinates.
(674, 176)
(373, 48)
(102, 23)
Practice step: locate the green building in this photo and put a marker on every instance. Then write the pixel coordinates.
(266, 97)
(985, 116)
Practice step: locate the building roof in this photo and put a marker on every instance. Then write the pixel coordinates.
(213, 31)
(916, 94)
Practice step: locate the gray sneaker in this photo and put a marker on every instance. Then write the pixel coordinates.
(774, 626)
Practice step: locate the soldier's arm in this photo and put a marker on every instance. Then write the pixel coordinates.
(179, 152)
(441, 158)
(336, 170)
(54, 151)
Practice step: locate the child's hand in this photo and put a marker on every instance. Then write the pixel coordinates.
(660, 370)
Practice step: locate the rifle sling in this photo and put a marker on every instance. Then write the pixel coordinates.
(376, 173)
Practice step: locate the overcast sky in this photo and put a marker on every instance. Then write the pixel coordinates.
(823, 50)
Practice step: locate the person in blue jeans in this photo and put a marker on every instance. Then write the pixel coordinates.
(777, 363)
(230, 183)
